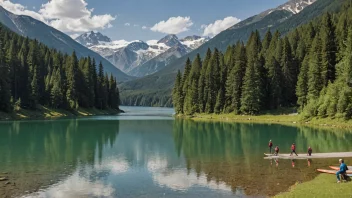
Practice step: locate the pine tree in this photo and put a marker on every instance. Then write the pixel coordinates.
(275, 83)
(71, 73)
(177, 94)
(212, 81)
(5, 94)
(14, 70)
(315, 82)
(235, 80)
(329, 48)
(266, 43)
(202, 92)
(191, 104)
(302, 84)
(56, 92)
(288, 73)
(251, 91)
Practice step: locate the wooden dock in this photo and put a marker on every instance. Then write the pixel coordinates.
(314, 156)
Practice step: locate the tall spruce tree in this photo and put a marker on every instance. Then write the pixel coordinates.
(71, 73)
(235, 80)
(202, 92)
(315, 82)
(212, 81)
(5, 94)
(251, 91)
(329, 49)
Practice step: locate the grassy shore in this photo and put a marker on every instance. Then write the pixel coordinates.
(322, 186)
(47, 113)
(285, 119)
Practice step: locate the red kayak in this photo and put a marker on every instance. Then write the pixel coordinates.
(327, 171)
(336, 168)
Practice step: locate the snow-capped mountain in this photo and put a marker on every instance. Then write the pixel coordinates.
(295, 6)
(92, 38)
(129, 56)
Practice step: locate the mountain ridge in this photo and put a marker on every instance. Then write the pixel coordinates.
(35, 29)
(139, 58)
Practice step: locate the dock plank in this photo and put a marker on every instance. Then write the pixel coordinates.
(314, 156)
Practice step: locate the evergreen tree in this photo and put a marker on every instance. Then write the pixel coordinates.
(5, 94)
(212, 81)
(315, 81)
(329, 47)
(251, 91)
(71, 73)
(302, 84)
(288, 73)
(234, 81)
(202, 92)
(275, 83)
(177, 94)
(191, 104)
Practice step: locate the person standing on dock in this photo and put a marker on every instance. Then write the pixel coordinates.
(270, 146)
(293, 149)
(310, 151)
(276, 151)
(342, 171)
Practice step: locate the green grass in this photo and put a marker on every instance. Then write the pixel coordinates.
(48, 113)
(285, 117)
(322, 186)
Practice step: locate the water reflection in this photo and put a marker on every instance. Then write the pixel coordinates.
(113, 157)
(233, 153)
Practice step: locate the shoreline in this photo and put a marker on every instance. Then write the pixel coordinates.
(45, 113)
(284, 119)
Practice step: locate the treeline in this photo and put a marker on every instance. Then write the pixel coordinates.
(32, 74)
(311, 68)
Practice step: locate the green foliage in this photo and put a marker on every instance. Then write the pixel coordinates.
(32, 74)
(310, 67)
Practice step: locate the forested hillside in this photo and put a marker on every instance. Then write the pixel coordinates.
(159, 85)
(32, 74)
(311, 67)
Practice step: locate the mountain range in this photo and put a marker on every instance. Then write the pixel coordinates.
(32, 28)
(157, 87)
(139, 58)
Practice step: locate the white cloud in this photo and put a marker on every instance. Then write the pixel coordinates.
(127, 24)
(20, 9)
(173, 25)
(144, 27)
(219, 26)
(70, 16)
(135, 25)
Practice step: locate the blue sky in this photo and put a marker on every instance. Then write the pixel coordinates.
(124, 19)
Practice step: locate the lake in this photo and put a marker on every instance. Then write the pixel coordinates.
(147, 153)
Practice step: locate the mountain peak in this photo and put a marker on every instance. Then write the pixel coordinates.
(170, 40)
(295, 6)
(92, 38)
(191, 38)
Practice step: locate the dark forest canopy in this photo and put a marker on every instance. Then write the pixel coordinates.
(32, 74)
(310, 68)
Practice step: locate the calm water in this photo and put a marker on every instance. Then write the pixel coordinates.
(146, 153)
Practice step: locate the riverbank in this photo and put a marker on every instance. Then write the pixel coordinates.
(323, 185)
(284, 119)
(49, 113)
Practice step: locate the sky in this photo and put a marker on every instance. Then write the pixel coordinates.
(140, 19)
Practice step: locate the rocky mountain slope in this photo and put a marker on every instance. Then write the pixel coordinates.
(32, 28)
(139, 58)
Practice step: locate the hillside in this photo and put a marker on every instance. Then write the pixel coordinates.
(34, 29)
(278, 19)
